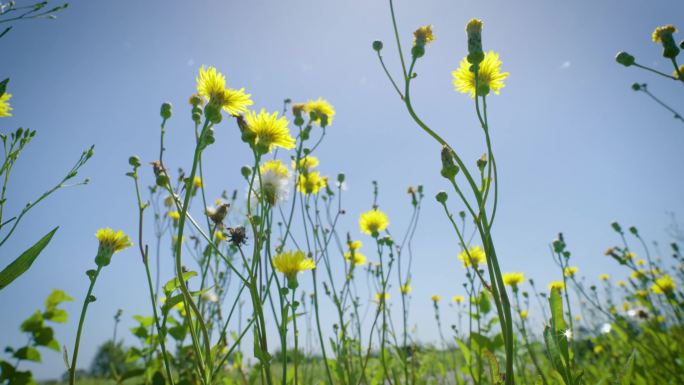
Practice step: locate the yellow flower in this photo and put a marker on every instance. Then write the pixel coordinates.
(270, 131)
(458, 298)
(311, 182)
(220, 235)
(175, 215)
(382, 297)
(5, 107)
(523, 314)
(556, 285)
(598, 349)
(356, 258)
(323, 111)
(275, 166)
(306, 163)
(641, 262)
(630, 255)
(662, 30)
(490, 77)
(570, 271)
(290, 263)
(513, 279)
(373, 221)
(355, 245)
(641, 293)
(197, 182)
(664, 285)
(110, 242)
(423, 35)
(405, 289)
(604, 277)
(211, 84)
(638, 274)
(477, 256)
(436, 298)
(621, 283)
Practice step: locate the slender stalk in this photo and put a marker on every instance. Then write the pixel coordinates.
(86, 301)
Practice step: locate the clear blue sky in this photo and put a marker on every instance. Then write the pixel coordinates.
(577, 148)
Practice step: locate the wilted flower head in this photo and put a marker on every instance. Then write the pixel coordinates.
(474, 256)
(423, 35)
(372, 222)
(210, 296)
(110, 242)
(489, 76)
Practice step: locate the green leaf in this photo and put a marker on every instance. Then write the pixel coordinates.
(33, 324)
(55, 298)
(132, 373)
(28, 353)
(57, 316)
(626, 374)
(173, 283)
(464, 350)
(554, 352)
(144, 321)
(485, 303)
(24, 261)
(493, 367)
(3, 84)
(556, 303)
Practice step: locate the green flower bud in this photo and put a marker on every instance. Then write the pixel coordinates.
(165, 110)
(441, 197)
(449, 169)
(624, 58)
(616, 226)
(213, 113)
(377, 45)
(418, 51)
(246, 171)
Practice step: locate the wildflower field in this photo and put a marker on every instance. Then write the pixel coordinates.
(356, 193)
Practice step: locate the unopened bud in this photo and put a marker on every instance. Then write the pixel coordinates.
(377, 45)
(165, 110)
(624, 58)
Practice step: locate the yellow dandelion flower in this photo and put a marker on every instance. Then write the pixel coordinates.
(373, 221)
(5, 107)
(110, 242)
(659, 32)
(556, 285)
(436, 298)
(405, 289)
(638, 274)
(513, 279)
(664, 285)
(220, 235)
(477, 256)
(458, 298)
(306, 163)
(570, 271)
(423, 35)
(211, 84)
(197, 182)
(382, 297)
(356, 258)
(621, 283)
(276, 167)
(524, 314)
(490, 77)
(641, 262)
(290, 263)
(175, 215)
(323, 111)
(355, 245)
(311, 182)
(270, 130)
(630, 255)
(604, 277)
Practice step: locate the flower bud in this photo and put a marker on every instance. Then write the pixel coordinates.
(441, 197)
(624, 58)
(134, 161)
(449, 169)
(475, 52)
(377, 45)
(165, 110)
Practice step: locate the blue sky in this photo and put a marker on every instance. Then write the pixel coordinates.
(577, 148)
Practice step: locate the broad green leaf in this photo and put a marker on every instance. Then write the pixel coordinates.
(485, 303)
(33, 324)
(24, 261)
(494, 373)
(144, 321)
(55, 298)
(554, 353)
(132, 373)
(28, 353)
(556, 303)
(57, 316)
(173, 283)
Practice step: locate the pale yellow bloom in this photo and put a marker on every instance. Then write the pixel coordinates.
(490, 77)
(475, 256)
(323, 111)
(405, 289)
(458, 298)
(604, 277)
(270, 130)
(175, 215)
(556, 285)
(570, 271)
(513, 279)
(436, 298)
(311, 182)
(290, 263)
(5, 107)
(664, 285)
(211, 84)
(373, 221)
(197, 182)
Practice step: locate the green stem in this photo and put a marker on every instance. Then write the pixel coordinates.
(86, 302)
